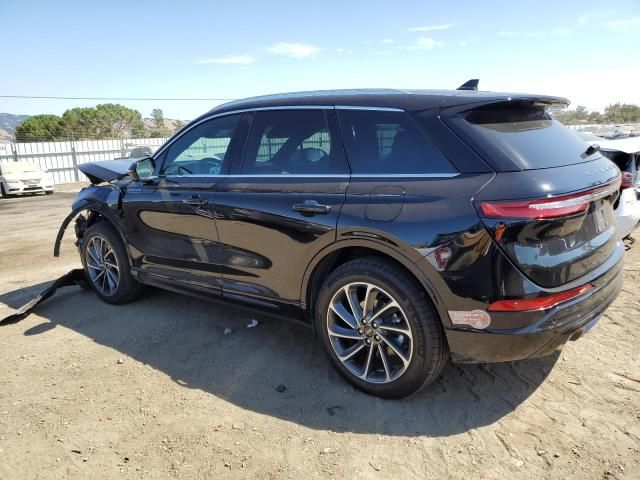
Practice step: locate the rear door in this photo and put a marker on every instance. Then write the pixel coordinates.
(280, 206)
(170, 222)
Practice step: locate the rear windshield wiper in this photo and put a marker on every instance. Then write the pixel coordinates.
(590, 150)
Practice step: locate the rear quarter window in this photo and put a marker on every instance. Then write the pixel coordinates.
(389, 142)
(519, 136)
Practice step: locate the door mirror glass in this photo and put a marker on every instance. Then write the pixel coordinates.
(142, 170)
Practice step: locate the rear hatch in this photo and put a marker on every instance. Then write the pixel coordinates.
(550, 205)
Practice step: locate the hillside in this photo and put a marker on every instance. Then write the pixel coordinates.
(8, 123)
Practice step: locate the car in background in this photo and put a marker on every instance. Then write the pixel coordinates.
(133, 150)
(19, 178)
(625, 153)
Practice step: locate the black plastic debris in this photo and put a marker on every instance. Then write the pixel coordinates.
(74, 277)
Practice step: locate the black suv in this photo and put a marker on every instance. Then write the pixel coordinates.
(407, 227)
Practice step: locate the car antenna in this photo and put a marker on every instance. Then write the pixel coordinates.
(470, 85)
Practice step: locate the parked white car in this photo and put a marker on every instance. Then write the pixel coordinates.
(625, 153)
(18, 178)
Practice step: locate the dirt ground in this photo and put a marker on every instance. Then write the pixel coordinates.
(155, 389)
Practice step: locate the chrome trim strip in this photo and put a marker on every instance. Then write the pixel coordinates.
(297, 175)
(361, 107)
(404, 175)
(320, 175)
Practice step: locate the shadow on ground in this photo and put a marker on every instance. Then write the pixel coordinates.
(183, 338)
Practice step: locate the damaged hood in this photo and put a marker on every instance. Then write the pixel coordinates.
(107, 170)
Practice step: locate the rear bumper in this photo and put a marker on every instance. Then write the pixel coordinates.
(547, 333)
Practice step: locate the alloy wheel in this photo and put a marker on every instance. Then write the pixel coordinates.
(369, 332)
(102, 265)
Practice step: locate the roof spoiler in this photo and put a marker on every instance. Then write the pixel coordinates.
(470, 85)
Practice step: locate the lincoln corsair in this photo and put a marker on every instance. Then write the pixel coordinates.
(408, 228)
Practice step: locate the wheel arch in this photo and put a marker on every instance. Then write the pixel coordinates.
(340, 252)
(95, 212)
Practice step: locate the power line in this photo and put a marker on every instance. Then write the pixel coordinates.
(121, 98)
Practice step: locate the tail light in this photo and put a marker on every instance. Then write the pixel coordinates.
(540, 303)
(627, 180)
(547, 208)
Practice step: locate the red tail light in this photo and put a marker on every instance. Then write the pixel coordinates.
(546, 208)
(627, 180)
(540, 303)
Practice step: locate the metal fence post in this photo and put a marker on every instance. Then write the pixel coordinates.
(74, 160)
(14, 150)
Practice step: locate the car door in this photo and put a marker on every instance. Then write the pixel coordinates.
(169, 220)
(280, 206)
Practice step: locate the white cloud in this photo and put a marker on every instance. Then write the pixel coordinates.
(228, 60)
(432, 28)
(426, 43)
(583, 20)
(624, 25)
(294, 50)
(344, 51)
(387, 41)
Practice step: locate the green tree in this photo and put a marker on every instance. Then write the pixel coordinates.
(103, 121)
(177, 125)
(159, 129)
(117, 120)
(38, 128)
(622, 113)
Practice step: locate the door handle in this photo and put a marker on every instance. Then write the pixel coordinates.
(195, 201)
(311, 207)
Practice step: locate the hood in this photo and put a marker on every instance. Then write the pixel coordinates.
(24, 176)
(107, 170)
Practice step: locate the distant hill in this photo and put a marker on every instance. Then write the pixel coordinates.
(8, 123)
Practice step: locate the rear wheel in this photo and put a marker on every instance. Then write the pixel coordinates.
(106, 265)
(379, 328)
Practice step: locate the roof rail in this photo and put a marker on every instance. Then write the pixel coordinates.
(470, 85)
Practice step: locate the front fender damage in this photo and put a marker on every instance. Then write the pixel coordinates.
(86, 211)
(81, 226)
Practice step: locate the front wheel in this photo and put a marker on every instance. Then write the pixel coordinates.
(379, 328)
(106, 265)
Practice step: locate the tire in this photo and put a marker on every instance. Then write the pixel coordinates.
(48, 192)
(409, 323)
(101, 239)
(3, 192)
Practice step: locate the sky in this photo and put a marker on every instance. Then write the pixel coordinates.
(587, 51)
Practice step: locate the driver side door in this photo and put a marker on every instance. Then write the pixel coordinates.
(169, 219)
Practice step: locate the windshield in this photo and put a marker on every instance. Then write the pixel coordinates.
(521, 136)
(18, 167)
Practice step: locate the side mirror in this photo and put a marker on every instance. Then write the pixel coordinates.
(142, 170)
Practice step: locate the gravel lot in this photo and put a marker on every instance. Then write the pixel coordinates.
(155, 389)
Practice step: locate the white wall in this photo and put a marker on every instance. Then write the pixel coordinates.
(58, 157)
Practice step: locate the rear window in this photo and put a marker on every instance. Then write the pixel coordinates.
(521, 137)
(389, 142)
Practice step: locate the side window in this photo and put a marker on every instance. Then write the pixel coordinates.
(203, 149)
(387, 142)
(290, 142)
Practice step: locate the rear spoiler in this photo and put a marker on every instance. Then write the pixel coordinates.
(470, 85)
